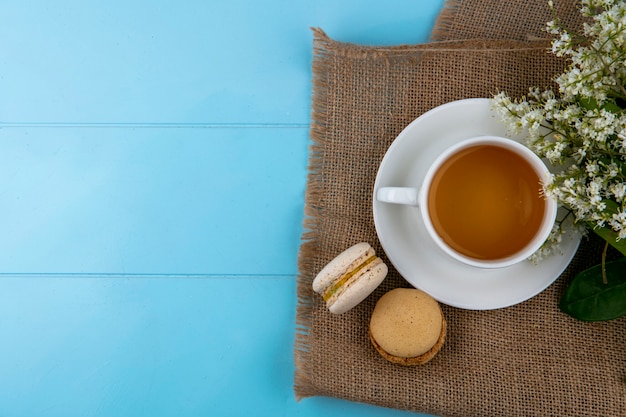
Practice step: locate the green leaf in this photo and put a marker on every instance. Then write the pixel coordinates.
(612, 107)
(611, 206)
(622, 167)
(590, 103)
(588, 298)
(609, 235)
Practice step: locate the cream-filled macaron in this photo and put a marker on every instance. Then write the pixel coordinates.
(407, 326)
(350, 277)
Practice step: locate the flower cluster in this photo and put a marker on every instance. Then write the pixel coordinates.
(581, 128)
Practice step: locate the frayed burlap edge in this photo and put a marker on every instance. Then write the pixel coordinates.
(484, 19)
(323, 44)
(445, 20)
(302, 381)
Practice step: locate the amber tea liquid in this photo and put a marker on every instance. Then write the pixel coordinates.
(485, 202)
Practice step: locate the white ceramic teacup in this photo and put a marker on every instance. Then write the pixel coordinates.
(418, 196)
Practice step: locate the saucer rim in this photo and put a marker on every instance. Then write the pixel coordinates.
(547, 271)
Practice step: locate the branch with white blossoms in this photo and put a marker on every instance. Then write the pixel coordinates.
(581, 129)
(552, 245)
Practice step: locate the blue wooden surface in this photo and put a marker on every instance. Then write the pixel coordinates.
(152, 173)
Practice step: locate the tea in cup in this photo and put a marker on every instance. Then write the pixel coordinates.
(482, 203)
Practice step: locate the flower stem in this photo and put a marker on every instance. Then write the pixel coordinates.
(604, 278)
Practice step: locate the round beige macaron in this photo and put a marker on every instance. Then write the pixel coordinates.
(350, 277)
(407, 327)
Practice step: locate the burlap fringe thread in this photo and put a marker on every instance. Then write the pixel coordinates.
(322, 43)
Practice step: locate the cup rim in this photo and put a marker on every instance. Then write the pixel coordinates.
(546, 225)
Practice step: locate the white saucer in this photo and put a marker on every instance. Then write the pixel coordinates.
(404, 238)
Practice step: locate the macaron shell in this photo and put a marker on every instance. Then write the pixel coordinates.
(343, 262)
(415, 360)
(358, 288)
(406, 322)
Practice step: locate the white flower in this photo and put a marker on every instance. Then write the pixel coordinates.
(532, 121)
(618, 190)
(582, 129)
(618, 223)
(555, 153)
(592, 168)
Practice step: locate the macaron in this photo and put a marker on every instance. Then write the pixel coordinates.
(350, 277)
(407, 327)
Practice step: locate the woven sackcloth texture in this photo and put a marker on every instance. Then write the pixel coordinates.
(505, 19)
(526, 360)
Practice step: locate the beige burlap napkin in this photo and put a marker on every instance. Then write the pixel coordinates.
(525, 360)
(506, 19)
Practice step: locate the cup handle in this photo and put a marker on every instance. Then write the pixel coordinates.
(397, 195)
